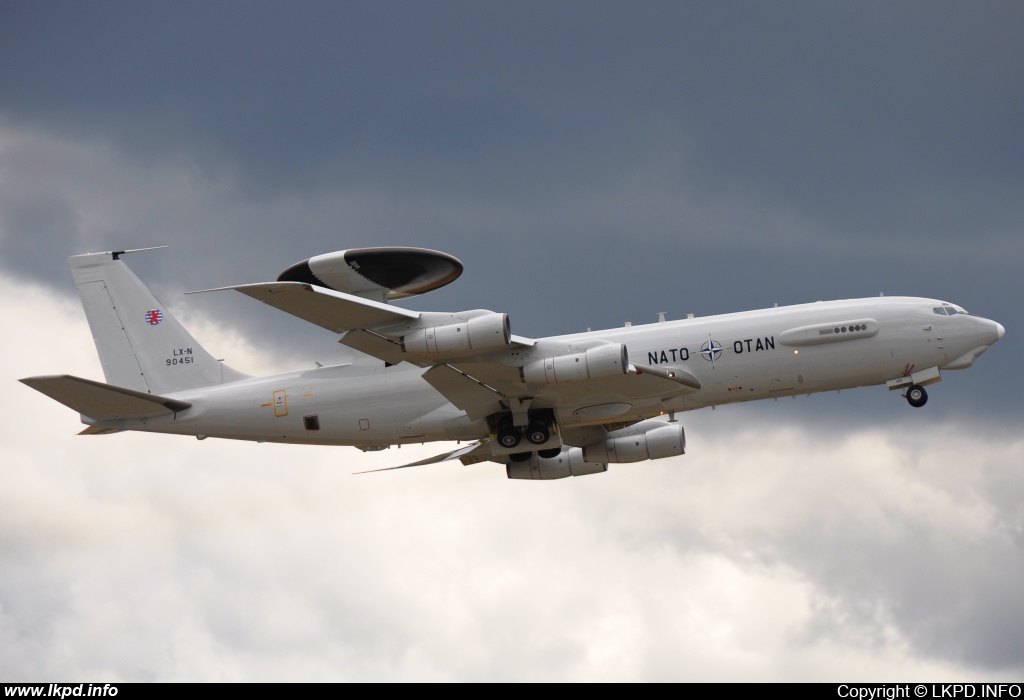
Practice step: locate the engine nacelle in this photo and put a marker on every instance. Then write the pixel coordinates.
(569, 463)
(480, 333)
(658, 442)
(601, 361)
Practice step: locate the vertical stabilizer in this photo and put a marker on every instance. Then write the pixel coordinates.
(141, 345)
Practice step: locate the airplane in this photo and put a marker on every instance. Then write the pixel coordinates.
(546, 408)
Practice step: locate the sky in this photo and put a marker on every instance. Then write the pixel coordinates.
(591, 164)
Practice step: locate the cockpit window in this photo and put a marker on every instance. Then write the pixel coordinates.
(940, 310)
(949, 310)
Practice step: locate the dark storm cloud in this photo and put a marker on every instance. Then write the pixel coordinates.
(870, 121)
(851, 113)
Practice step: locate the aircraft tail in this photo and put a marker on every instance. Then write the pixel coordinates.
(142, 347)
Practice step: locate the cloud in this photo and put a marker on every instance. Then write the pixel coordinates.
(774, 550)
(869, 124)
(589, 169)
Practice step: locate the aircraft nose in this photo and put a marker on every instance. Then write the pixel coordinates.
(992, 332)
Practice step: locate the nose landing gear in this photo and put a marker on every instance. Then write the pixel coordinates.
(912, 384)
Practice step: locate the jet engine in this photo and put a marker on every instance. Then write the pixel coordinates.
(656, 441)
(569, 463)
(479, 333)
(600, 361)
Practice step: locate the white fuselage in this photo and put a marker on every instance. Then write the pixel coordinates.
(736, 357)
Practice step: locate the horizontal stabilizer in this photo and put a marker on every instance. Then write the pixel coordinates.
(103, 402)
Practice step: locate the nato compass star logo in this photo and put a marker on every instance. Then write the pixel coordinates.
(711, 350)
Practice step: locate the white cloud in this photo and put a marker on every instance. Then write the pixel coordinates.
(770, 552)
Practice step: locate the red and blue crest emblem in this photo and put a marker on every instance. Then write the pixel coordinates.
(154, 316)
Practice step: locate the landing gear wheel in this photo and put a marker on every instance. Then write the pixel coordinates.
(917, 396)
(537, 432)
(548, 454)
(508, 434)
(519, 456)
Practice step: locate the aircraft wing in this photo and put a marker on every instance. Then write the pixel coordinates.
(390, 350)
(482, 388)
(335, 311)
(479, 382)
(357, 318)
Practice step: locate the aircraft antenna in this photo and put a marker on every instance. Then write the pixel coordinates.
(116, 254)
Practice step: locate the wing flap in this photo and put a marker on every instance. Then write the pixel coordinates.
(99, 430)
(471, 395)
(675, 374)
(103, 402)
(470, 454)
(374, 345)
